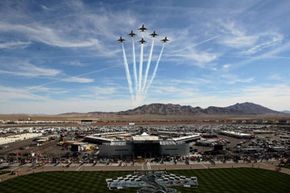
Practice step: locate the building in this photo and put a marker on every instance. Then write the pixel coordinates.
(172, 148)
(236, 134)
(143, 145)
(116, 149)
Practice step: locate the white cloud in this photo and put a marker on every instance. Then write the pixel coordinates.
(76, 64)
(79, 26)
(44, 7)
(46, 35)
(226, 66)
(103, 98)
(14, 45)
(276, 77)
(236, 37)
(8, 94)
(190, 81)
(78, 79)
(53, 106)
(39, 100)
(93, 28)
(45, 90)
(266, 40)
(27, 69)
(269, 54)
(104, 90)
(240, 41)
(233, 79)
(275, 96)
(187, 48)
(199, 57)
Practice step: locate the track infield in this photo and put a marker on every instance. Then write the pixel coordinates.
(237, 180)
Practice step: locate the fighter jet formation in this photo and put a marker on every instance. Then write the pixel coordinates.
(142, 41)
(138, 88)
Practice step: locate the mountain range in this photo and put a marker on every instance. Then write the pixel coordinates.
(176, 109)
(238, 109)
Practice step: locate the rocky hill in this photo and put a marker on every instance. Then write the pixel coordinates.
(175, 109)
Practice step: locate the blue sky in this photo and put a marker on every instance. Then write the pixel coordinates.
(62, 56)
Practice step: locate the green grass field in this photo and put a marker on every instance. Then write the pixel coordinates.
(242, 180)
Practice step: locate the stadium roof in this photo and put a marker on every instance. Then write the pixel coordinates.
(145, 137)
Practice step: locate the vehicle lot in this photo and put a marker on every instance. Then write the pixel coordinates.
(57, 150)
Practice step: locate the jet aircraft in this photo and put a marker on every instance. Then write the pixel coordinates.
(132, 34)
(154, 34)
(142, 41)
(121, 40)
(142, 28)
(164, 40)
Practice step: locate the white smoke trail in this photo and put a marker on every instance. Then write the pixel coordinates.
(148, 66)
(155, 70)
(140, 67)
(128, 76)
(134, 66)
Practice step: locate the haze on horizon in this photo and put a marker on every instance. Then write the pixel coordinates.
(62, 56)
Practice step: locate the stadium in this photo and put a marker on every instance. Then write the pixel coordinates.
(134, 145)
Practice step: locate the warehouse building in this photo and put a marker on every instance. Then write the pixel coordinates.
(235, 134)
